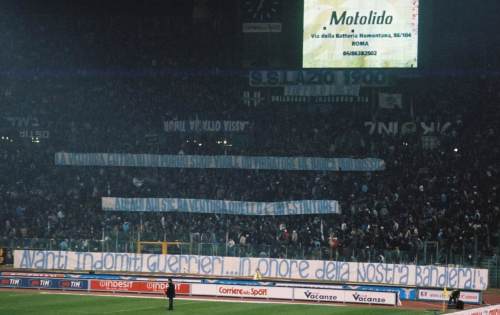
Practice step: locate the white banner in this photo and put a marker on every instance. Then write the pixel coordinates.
(297, 207)
(390, 100)
(260, 292)
(220, 161)
(346, 296)
(321, 90)
(321, 77)
(197, 125)
(262, 27)
(488, 310)
(345, 272)
(30, 126)
(395, 128)
(438, 295)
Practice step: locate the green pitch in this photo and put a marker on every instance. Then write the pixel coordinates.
(17, 303)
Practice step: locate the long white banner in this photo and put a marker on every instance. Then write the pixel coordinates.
(345, 272)
(296, 207)
(220, 161)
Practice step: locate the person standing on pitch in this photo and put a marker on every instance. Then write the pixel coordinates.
(170, 292)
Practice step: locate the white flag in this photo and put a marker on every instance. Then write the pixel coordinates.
(390, 100)
(321, 230)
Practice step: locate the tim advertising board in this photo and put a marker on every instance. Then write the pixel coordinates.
(345, 296)
(360, 33)
(470, 297)
(61, 284)
(43, 283)
(137, 286)
(10, 282)
(241, 291)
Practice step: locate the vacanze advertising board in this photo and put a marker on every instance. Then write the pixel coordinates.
(360, 33)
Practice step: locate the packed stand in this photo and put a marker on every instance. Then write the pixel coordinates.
(447, 195)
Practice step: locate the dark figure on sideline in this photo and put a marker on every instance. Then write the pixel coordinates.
(455, 294)
(170, 292)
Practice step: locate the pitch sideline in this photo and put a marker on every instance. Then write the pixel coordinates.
(193, 299)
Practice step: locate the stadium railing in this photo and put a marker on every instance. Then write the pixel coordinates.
(493, 265)
(427, 255)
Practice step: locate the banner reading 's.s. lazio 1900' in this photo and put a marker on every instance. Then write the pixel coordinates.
(220, 161)
(345, 272)
(221, 206)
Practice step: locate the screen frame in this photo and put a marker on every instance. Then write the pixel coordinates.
(419, 66)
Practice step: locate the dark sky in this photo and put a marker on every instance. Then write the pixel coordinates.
(453, 34)
(465, 33)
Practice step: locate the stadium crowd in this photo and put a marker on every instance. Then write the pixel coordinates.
(444, 193)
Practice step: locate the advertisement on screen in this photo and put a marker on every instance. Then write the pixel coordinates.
(360, 34)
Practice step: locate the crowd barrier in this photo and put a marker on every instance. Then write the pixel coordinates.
(341, 293)
(296, 293)
(44, 283)
(398, 275)
(156, 286)
(488, 310)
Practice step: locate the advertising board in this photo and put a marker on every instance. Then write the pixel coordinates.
(289, 293)
(43, 283)
(137, 286)
(242, 291)
(346, 296)
(470, 297)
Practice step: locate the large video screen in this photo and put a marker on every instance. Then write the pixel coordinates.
(360, 34)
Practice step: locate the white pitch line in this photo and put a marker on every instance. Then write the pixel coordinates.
(191, 299)
(428, 304)
(130, 309)
(106, 295)
(24, 294)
